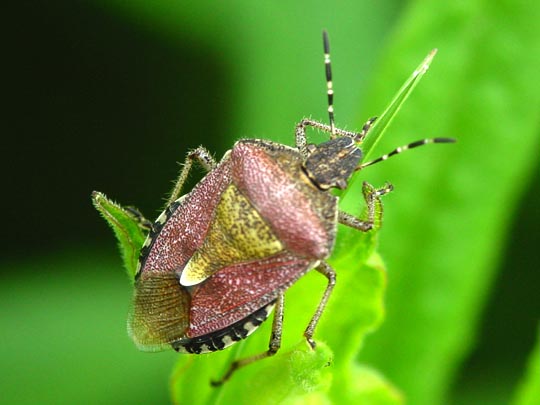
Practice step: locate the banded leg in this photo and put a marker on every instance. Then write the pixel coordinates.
(371, 196)
(327, 271)
(203, 157)
(273, 346)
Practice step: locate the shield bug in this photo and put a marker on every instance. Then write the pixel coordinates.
(219, 258)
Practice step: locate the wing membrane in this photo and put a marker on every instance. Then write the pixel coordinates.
(160, 313)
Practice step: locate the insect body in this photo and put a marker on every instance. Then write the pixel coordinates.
(246, 232)
(219, 258)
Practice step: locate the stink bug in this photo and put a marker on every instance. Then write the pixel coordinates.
(219, 259)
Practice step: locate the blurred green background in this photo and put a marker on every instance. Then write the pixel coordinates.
(109, 95)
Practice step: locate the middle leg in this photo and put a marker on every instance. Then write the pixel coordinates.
(327, 271)
(273, 346)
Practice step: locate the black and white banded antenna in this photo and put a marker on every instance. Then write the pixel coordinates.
(403, 148)
(359, 137)
(329, 88)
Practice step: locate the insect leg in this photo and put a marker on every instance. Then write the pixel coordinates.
(374, 209)
(327, 271)
(300, 133)
(273, 346)
(143, 223)
(203, 157)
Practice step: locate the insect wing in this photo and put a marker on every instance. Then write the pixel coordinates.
(160, 313)
(235, 292)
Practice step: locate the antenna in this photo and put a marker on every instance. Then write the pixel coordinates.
(329, 89)
(406, 147)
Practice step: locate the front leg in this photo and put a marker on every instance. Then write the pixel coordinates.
(301, 138)
(300, 134)
(374, 209)
(203, 157)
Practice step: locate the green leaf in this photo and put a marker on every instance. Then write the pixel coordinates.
(127, 227)
(448, 218)
(528, 392)
(371, 388)
(355, 311)
(286, 377)
(383, 122)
